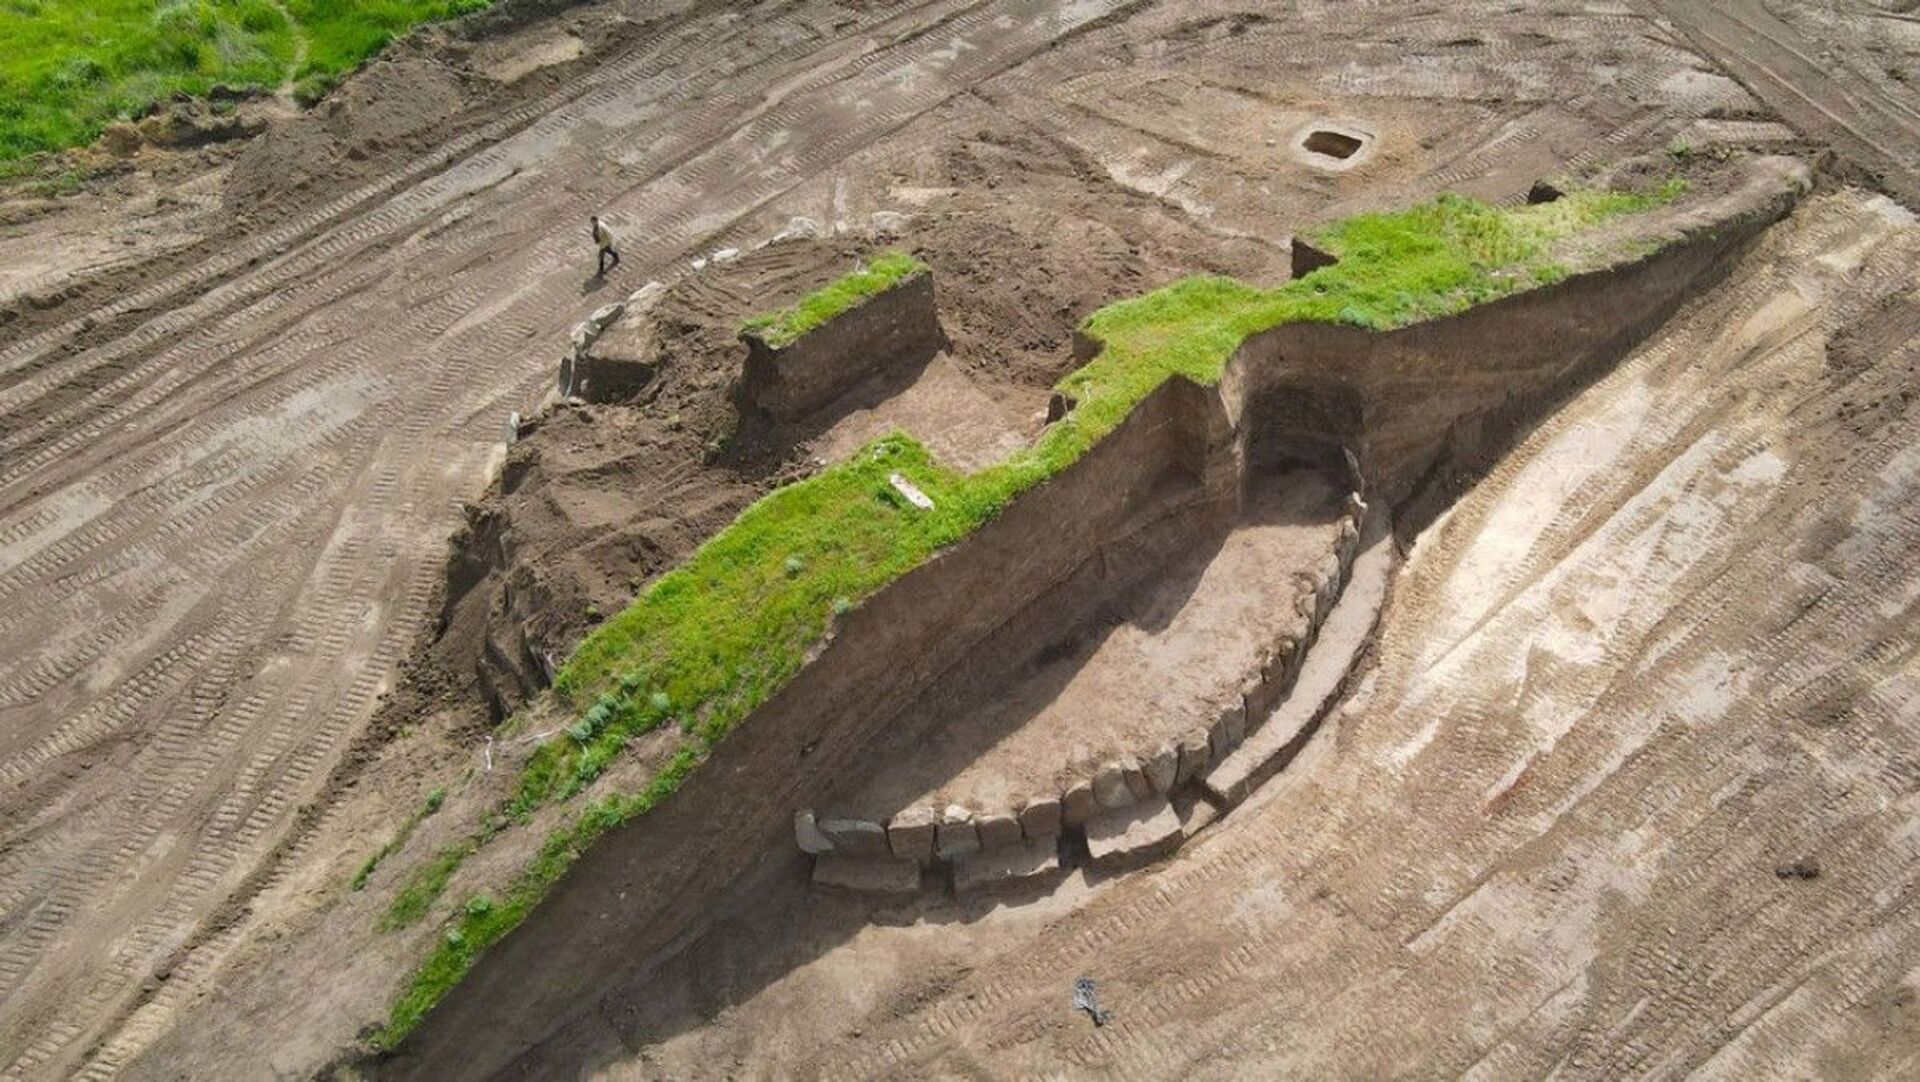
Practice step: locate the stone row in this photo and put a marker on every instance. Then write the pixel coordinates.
(1124, 808)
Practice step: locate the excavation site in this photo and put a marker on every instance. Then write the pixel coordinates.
(1155, 539)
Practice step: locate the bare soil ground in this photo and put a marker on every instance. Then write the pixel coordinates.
(1628, 791)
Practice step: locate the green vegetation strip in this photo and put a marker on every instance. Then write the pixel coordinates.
(713, 639)
(69, 67)
(784, 327)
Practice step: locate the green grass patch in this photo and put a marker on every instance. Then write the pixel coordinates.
(708, 642)
(884, 272)
(70, 67)
(342, 33)
(425, 885)
(434, 800)
(484, 920)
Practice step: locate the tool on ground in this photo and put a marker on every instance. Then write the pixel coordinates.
(1084, 999)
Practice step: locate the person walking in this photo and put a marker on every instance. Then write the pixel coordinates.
(603, 239)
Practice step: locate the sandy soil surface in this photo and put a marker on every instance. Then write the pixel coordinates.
(1628, 791)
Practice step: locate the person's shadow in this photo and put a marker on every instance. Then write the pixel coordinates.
(593, 284)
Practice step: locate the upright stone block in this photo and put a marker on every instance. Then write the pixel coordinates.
(1078, 804)
(998, 830)
(1196, 754)
(1163, 767)
(808, 836)
(957, 834)
(1040, 818)
(910, 834)
(1110, 787)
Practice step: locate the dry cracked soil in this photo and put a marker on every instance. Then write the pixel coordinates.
(1624, 786)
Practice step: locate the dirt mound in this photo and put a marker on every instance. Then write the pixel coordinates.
(376, 122)
(596, 499)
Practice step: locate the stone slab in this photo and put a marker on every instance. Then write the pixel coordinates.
(1004, 868)
(856, 837)
(867, 877)
(1130, 837)
(1343, 635)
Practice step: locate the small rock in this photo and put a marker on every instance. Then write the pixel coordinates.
(606, 314)
(1136, 778)
(647, 295)
(911, 491)
(1803, 868)
(887, 223)
(795, 229)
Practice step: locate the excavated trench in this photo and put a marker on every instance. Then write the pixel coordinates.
(1115, 660)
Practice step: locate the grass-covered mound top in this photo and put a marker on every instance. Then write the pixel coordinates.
(70, 67)
(784, 327)
(713, 639)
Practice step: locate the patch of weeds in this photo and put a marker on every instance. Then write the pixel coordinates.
(483, 922)
(785, 326)
(434, 799)
(424, 886)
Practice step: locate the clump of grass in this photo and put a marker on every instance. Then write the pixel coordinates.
(434, 799)
(425, 885)
(483, 921)
(782, 328)
(721, 633)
